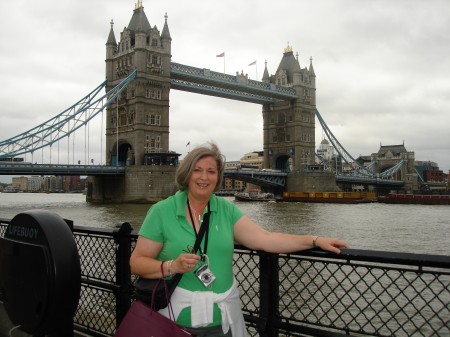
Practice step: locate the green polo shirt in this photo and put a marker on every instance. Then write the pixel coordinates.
(166, 222)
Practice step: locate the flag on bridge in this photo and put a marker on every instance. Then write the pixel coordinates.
(256, 68)
(222, 55)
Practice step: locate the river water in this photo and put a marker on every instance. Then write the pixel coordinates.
(422, 229)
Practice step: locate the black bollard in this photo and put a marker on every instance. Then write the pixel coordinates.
(40, 273)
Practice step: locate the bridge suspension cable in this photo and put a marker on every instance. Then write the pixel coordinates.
(357, 168)
(65, 123)
(341, 150)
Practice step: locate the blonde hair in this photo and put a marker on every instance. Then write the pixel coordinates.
(187, 165)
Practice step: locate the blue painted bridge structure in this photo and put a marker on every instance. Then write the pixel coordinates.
(59, 169)
(239, 87)
(258, 177)
(279, 179)
(185, 78)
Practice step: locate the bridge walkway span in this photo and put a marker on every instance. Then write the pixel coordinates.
(257, 177)
(60, 169)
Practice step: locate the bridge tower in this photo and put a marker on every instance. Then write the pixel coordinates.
(137, 123)
(289, 138)
(390, 155)
(289, 127)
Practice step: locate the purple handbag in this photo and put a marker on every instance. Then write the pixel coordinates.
(142, 320)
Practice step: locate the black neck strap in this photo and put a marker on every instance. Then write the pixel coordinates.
(203, 229)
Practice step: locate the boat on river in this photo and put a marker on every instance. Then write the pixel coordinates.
(331, 197)
(254, 196)
(419, 199)
(10, 189)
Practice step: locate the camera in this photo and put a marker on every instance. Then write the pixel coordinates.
(205, 275)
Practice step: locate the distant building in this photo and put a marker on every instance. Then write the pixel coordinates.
(255, 158)
(232, 165)
(363, 160)
(423, 166)
(326, 151)
(431, 177)
(48, 183)
(20, 183)
(35, 183)
(230, 184)
(72, 183)
(435, 176)
(252, 160)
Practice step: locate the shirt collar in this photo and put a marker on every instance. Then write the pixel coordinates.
(181, 200)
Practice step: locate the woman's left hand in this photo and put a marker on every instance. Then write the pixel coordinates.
(330, 244)
(184, 263)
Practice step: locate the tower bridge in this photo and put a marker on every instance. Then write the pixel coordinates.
(139, 77)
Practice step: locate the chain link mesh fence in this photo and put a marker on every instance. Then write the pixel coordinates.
(312, 293)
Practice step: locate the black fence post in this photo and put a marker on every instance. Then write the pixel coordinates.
(268, 294)
(123, 274)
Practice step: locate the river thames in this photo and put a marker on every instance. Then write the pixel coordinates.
(422, 229)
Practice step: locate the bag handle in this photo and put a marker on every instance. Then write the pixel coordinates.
(166, 292)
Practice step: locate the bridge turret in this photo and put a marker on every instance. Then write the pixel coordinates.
(166, 45)
(312, 74)
(296, 72)
(166, 39)
(266, 77)
(140, 29)
(111, 49)
(312, 79)
(288, 72)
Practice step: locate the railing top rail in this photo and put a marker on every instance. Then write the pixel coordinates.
(386, 257)
(397, 258)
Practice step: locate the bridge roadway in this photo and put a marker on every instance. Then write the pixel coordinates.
(239, 87)
(279, 179)
(60, 169)
(257, 177)
(368, 180)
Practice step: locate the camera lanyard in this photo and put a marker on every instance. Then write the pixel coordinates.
(203, 229)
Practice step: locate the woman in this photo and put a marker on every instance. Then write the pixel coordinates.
(166, 238)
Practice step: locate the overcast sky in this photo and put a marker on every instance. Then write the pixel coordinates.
(382, 66)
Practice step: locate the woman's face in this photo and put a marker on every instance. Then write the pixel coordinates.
(204, 178)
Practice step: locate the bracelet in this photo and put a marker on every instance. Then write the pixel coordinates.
(314, 240)
(169, 267)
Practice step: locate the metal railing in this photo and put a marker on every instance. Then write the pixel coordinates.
(309, 293)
